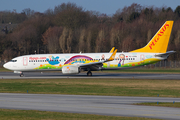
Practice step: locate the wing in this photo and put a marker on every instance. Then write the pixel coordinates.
(97, 65)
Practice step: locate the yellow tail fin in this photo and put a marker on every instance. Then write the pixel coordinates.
(159, 43)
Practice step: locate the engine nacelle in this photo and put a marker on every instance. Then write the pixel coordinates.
(70, 70)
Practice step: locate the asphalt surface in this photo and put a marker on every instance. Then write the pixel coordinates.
(43, 75)
(86, 104)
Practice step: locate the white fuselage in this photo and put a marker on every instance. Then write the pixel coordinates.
(41, 62)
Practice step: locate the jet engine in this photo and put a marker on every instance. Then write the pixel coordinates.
(70, 70)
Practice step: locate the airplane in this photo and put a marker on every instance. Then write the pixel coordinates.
(74, 63)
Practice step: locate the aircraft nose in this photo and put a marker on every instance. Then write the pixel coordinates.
(6, 65)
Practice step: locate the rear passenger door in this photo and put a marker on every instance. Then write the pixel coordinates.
(25, 61)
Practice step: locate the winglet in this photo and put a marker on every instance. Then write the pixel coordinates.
(112, 50)
(112, 56)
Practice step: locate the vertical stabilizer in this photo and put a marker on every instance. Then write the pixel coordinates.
(159, 43)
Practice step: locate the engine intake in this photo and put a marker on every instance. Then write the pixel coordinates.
(70, 70)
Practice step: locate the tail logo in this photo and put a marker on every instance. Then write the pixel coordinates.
(157, 37)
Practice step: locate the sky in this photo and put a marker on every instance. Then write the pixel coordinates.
(108, 7)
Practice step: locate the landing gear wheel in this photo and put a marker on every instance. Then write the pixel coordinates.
(89, 73)
(21, 75)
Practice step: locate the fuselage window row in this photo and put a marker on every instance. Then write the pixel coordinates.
(41, 60)
(73, 60)
(130, 58)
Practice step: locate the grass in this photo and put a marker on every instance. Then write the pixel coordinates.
(115, 87)
(163, 104)
(110, 87)
(6, 114)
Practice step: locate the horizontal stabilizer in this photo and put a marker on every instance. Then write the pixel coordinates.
(165, 54)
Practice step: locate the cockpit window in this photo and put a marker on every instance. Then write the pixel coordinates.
(13, 61)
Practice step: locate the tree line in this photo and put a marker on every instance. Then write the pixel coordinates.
(69, 28)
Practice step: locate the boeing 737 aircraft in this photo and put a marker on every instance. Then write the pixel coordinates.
(74, 63)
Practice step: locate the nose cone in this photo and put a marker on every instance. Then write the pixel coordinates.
(6, 65)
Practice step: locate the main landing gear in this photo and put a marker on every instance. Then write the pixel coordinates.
(21, 75)
(89, 73)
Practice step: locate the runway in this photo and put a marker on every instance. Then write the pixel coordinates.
(86, 104)
(44, 75)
